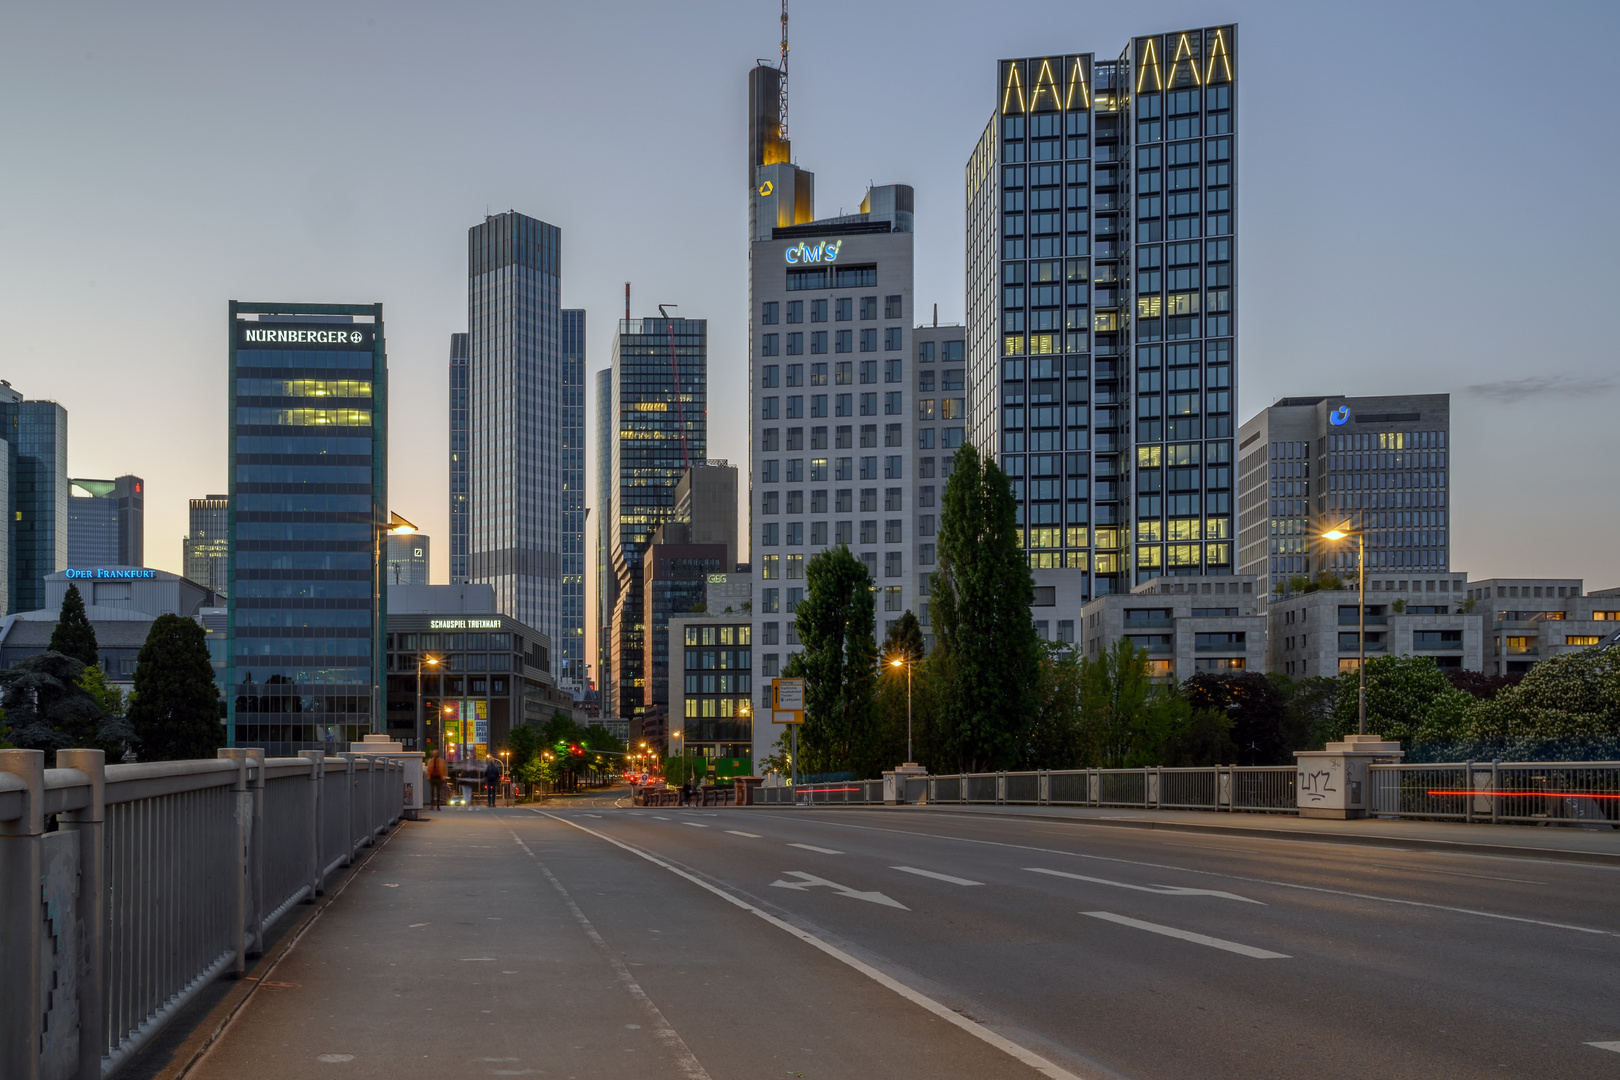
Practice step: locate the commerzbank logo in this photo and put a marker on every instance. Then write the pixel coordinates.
(826, 251)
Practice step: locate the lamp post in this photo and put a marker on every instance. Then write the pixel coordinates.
(906, 661)
(1340, 533)
(421, 740)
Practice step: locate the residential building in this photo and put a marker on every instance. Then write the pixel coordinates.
(711, 685)
(1315, 633)
(1533, 619)
(1214, 625)
(206, 549)
(1101, 268)
(941, 386)
(660, 425)
(572, 673)
(35, 433)
(408, 552)
(1375, 463)
(832, 458)
(460, 473)
(308, 454)
(106, 522)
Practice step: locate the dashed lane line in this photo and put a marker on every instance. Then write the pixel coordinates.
(812, 847)
(739, 832)
(935, 876)
(1188, 935)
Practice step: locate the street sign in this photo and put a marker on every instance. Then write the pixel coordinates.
(787, 701)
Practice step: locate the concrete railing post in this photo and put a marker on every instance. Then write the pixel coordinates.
(20, 870)
(90, 825)
(244, 823)
(317, 857)
(256, 850)
(351, 781)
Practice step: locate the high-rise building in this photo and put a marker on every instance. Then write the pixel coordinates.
(458, 459)
(605, 580)
(569, 647)
(706, 502)
(518, 525)
(1101, 259)
(106, 522)
(408, 553)
(35, 433)
(941, 384)
(660, 423)
(308, 501)
(831, 447)
(1377, 463)
(206, 549)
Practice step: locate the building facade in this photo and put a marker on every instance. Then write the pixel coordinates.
(603, 508)
(35, 433)
(569, 646)
(1315, 633)
(307, 608)
(1379, 464)
(941, 410)
(460, 475)
(1528, 620)
(106, 522)
(1101, 267)
(408, 554)
(206, 549)
(675, 572)
(1187, 626)
(659, 427)
(711, 686)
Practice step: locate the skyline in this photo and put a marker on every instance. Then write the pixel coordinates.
(1399, 264)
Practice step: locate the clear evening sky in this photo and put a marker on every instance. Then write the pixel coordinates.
(1427, 205)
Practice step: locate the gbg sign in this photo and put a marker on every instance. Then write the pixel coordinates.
(824, 252)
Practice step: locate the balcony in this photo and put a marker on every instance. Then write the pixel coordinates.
(1372, 620)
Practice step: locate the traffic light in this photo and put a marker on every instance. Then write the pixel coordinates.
(577, 751)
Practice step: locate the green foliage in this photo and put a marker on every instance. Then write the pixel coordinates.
(47, 709)
(524, 745)
(1408, 698)
(1139, 722)
(175, 709)
(839, 664)
(74, 636)
(904, 643)
(1308, 706)
(1263, 730)
(988, 654)
(1570, 698)
(1061, 736)
(112, 700)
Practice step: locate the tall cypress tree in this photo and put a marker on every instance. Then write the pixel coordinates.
(175, 712)
(987, 653)
(74, 636)
(835, 623)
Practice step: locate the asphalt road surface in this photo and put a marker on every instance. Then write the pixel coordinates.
(596, 940)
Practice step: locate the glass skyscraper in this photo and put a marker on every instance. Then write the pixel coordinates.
(568, 649)
(35, 433)
(604, 533)
(1101, 260)
(106, 522)
(660, 409)
(207, 548)
(308, 503)
(458, 459)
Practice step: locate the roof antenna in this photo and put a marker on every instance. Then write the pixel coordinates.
(782, 98)
(936, 314)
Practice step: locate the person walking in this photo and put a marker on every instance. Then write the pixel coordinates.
(437, 777)
(492, 780)
(686, 793)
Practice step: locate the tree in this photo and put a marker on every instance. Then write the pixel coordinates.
(1116, 700)
(175, 711)
(1060, 738)
(903, 643)
(1308, 706)
(112, 700)
(1408, 699)
(47, 709)
(835, 622)
(74, 636)
(1262, 731)
(988, 651)
(1568, 707)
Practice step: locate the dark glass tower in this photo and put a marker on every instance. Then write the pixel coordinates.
(308, 505)
(1101, 260)
(458, 459)
(207, 548)
(35, 433)
(568, 649)
(660, 403)
(106, 522)
(604, 535)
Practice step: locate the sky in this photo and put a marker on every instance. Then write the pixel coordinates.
(1417, 182)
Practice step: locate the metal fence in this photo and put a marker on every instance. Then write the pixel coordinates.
(156, 879)
(1261, 788)
(1537, 793)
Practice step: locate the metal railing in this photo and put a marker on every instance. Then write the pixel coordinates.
(154, 880)
(1538, 793)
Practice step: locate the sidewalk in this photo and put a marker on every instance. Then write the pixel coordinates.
(1521, 841)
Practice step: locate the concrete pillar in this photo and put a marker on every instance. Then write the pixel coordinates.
(20, 869)
(90, 824)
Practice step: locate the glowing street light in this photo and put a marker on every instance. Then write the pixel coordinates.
(1344, 532)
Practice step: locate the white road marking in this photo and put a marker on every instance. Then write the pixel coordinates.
(481, 959)
(593, 815)
(695, 824)
(936, 877)
(1615, 1046)
(739, 832)
(1160, 890)
(657, 818)
(951, 1016)
(812, 847)
(810, 881)
(1188, 935)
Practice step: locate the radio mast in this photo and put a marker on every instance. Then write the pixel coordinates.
(781, 109)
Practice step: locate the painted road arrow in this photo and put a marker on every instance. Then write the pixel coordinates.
(810, 881)
(1160, 890)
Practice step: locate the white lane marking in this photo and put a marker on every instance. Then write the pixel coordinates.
(1615, 1046)
(657, 818)
(936, 877)
(1237, 877)
(685, 1060)
(480, 959)
(1160, 890)
(593, 815)
(950, 1016)
(1456, 873)
(695, 824)
(1188, 935)
(810, 881)
(812, 847)
(739, 832)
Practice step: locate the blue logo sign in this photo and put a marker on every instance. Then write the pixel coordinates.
(101, 573)
(1339, 416)
(822, 252)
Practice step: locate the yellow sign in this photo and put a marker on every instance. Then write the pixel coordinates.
(787, 701)
(765, 189)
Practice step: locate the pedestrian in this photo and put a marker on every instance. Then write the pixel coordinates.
(437, 775)
(686, 793)
(492, 780)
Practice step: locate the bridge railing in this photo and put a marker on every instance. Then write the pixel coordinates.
(153, 880)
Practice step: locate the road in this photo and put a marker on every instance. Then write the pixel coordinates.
(595, 939)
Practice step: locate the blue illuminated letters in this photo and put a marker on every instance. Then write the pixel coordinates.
(823, 252)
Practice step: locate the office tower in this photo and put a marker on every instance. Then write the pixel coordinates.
(660, 418)
(518, 529)
(1101, 254)
(408, 552)
(35, 433)
(458, 459)
(830, 327)
(1377, 463)
(706, 502)
(675, 572)
(308, 492)
(106, 522)
(941, 383)
(568, 648)
(604, 533)
(206, 550)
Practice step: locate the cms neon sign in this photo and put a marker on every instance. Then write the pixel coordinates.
(824, 252)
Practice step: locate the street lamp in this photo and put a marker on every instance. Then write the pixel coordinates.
(421, 740)
(906, 661)
(1343, 532)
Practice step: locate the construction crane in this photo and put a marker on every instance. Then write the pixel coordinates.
(675, 373)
